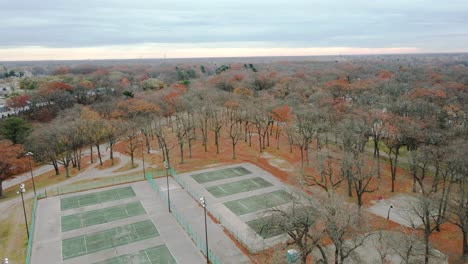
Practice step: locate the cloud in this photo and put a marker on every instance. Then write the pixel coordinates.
(56, 24)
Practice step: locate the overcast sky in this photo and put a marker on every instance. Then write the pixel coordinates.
(93, 29)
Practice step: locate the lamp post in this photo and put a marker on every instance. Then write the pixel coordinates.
(142, 152)
(30, 154)
(166, 166)
(21, 191)
(388, 214)
(203, 202)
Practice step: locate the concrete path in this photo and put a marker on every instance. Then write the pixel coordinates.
(219, 243)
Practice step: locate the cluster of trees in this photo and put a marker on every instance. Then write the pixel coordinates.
(341, 116)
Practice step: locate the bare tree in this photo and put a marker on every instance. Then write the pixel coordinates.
(343, 228)
(299, 222)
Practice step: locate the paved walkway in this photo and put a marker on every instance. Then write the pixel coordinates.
(221, 245)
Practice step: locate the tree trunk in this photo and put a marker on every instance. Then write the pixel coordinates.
(233, 150)
(91, 152)
(67, 170)
(465, 243)
(56, 167)
(426, 251)
(111, 149)
(216, 142)
(181, 146)
(302, 159)
(260, 141)
(190, 148)
(267, 137)
(99, 153)
(350, 183)
(1, 188)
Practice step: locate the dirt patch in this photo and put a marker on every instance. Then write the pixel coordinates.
(108, 163)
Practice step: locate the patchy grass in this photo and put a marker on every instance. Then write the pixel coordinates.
(14, 242)
(108, 164)
(42, 180)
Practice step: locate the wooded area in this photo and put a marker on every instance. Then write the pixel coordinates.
(354, 123)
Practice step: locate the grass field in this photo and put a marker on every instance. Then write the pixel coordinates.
(96, 198)
(258, 202)
(220, 174)
(122, 235)
(238, 187)
(95, 217)
(154, 255)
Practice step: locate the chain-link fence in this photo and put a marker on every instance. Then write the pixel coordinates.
(242, 238)
(188, 228)
(101, 182)
(31, 231)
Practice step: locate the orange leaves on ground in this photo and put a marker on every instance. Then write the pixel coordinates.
(18, 101)
(13, 160)
(281, 113)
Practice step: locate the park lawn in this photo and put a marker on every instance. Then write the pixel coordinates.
(14, 241)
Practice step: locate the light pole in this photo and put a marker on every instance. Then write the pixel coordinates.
(166, 166)
(30, 154)
(203, 202)
(142, 153)
(5, 261)
(388, 214)
(21, 191)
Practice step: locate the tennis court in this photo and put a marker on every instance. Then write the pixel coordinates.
(95, 217)
(96, 198)
(154, 255)
(258, 202)
(117, 236)
(261, 227)
(220, 174)
(238, 187)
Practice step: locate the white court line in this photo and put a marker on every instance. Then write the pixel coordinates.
(247, 208)
(254, 182)
(222, 189)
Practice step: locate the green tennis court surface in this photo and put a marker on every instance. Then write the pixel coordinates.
(220, 174)
(258, 202)
(261, 226)
(238, 187)
(95, 217)
(154, 255)
(96, 198)
(117, 236)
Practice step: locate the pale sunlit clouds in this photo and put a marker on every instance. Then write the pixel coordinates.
(106, 29)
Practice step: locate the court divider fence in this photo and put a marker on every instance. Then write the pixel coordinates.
(241, 238)
(31, 231)
(188, 228)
